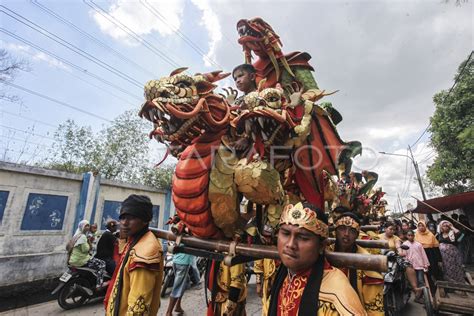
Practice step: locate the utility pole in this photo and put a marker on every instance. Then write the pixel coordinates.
(415, 164)
(418, 176)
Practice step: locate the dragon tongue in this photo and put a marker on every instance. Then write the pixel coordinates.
(258, 146)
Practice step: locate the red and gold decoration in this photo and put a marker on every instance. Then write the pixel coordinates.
(303, 217)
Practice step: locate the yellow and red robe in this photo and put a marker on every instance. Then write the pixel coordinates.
(369, 288)
(142, 279)
(336, 296)
(266, 269)
(228, 277)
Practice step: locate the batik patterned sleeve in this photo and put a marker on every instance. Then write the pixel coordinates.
(142, 284)
(237, 276)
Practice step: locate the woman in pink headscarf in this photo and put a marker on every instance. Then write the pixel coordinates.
(452, 258)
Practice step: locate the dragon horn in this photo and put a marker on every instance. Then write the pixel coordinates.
(248, 56)
(286, 66)
(177, 71)
(261, 84)
(275, 63)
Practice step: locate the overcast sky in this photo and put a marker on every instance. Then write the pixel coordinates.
(386, 58)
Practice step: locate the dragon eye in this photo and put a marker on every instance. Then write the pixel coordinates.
(183, 84)
(273, 99)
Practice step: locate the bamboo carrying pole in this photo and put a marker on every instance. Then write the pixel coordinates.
(381, 244)
(337, 259)
(433, 208)
(364, 228)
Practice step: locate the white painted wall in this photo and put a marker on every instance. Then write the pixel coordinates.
(34, 255)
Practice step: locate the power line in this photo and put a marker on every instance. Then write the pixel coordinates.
(71, 64)
(183, 36)
(56, 101)
(88, 35)
(405, 179)
(26, 132)
(447, 95)
(28, 118)
(428, 158)
(134, 35)
(27, 141)
(70, 46)
(410, 178)
(21, 152)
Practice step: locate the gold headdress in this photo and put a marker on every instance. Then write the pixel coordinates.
(305, 218)
(347, 221)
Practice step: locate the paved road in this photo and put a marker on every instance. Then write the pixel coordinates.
(193, 304)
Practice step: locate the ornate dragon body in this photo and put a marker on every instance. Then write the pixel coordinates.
(293, 142)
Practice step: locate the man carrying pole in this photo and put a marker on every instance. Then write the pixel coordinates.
(368, 284)
(306, 284)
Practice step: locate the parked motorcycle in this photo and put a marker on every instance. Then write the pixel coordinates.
(78, 285)
(168, 273)
(396, 286)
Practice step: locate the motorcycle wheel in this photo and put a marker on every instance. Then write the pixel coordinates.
(428, 302)
(167, 282)
(70, 297)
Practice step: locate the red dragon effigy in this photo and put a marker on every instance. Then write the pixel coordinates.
(293, 143)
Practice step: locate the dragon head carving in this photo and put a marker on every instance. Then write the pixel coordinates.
(266, 119)
(272, 120)
(182, 108)
(256, 35)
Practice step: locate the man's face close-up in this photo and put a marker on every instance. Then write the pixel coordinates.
(389, 231)
(244, 80)
(130, 225)
(298, 248)
(346, 236)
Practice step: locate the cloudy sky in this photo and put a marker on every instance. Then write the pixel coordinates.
(386, 58)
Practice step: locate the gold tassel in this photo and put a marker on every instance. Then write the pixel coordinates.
(261, 84)
(286, 66)
(275, 64)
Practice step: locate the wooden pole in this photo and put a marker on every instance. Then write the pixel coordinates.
(382, 244)
(364, 228)
(442, 213)
(337, 259)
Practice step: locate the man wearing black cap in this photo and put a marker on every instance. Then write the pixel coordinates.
(136, 284)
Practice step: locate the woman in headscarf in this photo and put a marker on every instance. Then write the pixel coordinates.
(431, 246)
(452, 258)
(80, 253)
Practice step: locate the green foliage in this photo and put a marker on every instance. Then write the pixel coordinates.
(453, 133)
(118, 152)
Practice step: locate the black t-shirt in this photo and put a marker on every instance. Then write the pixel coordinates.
(105, 246)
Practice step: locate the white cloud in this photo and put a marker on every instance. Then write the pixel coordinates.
(139, 18)
(377, 133)
(211, 23)
(36, 56)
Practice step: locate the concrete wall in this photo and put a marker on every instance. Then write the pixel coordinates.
(41, 213)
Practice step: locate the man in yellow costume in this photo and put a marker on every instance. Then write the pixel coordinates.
(265, 272)
(394, 241)
(368, 284)
(135, 286)
(306, 284)
(228, 286)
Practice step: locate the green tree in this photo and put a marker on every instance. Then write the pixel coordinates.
(117, 152)
(452, 133)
